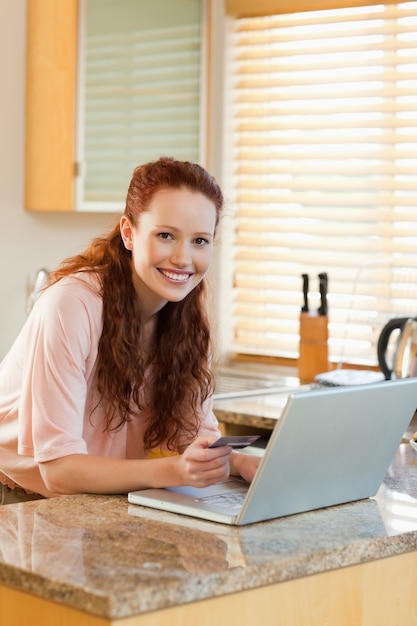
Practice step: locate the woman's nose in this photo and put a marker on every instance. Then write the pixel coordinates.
(181, 255)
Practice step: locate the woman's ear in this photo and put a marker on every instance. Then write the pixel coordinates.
(126, 232)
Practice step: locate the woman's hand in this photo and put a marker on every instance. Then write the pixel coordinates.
(201, 466)
(244, 465)
(205, 466)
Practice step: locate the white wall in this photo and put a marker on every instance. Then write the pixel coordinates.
(28, 241)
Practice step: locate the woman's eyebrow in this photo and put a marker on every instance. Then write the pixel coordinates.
(175, 229)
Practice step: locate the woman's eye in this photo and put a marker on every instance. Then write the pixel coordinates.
(201, 241)
(165, 235)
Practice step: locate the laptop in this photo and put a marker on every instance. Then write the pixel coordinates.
(330, 446)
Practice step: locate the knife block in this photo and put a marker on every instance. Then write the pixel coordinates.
(313, 357)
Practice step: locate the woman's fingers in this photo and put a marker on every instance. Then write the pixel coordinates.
(203, 465)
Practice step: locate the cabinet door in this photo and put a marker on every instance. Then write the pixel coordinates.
(141, 76)
(110, 84)
(51, 78)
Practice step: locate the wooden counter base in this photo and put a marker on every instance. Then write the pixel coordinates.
(380, 592)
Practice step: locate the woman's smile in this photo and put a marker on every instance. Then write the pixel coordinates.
(175, 275)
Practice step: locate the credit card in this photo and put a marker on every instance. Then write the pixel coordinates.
(237, 441)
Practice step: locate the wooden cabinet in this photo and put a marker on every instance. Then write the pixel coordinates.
(152, 112)
(51, 93)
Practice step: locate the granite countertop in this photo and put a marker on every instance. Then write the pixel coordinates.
(260, 396)
(100, 555)
(260, 411)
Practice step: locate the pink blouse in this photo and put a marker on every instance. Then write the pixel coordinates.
(48, 394)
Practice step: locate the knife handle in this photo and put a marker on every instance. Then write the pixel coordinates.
(304, 308)
(323, 293)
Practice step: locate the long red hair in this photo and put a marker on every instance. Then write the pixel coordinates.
(180, 377)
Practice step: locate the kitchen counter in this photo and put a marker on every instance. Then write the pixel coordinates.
(250, 409)
(98, 560)
(258, 412)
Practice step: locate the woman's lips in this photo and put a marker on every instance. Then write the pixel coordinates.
(176, 276)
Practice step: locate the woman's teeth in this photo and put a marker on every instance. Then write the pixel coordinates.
(172, 276)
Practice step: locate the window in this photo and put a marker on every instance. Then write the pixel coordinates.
(321, 162)
(140, 94)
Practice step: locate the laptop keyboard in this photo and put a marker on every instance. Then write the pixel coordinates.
(227, 499)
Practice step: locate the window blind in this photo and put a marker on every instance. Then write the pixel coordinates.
(142, 88)
(321, 161)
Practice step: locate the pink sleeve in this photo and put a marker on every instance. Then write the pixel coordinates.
(61, 350)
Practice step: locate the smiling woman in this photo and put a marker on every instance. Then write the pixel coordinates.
(113, 363)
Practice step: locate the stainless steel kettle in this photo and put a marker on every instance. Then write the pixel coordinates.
(404, 352)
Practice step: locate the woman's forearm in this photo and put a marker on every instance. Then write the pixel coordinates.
(83, 473)
(198, 466)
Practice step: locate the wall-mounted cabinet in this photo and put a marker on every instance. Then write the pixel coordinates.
(110, 84)
(51, 97)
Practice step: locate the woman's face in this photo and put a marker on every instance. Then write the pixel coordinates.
(171, 246)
